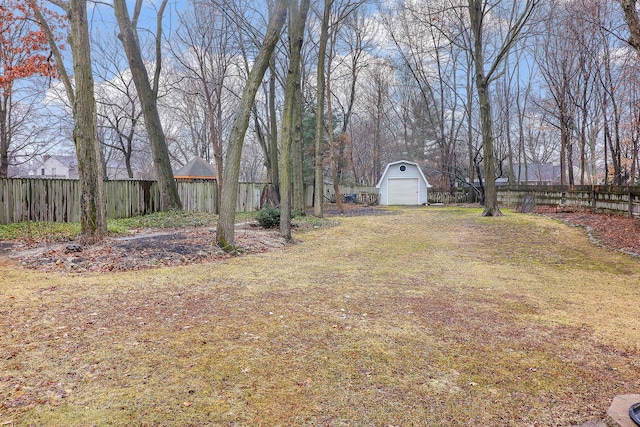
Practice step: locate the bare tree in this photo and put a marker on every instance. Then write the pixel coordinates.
(226, 220)
(291, 123)
(435, 63)
(206, 54)
(487, 70)
(25, 127)
(318, 196)
(148, 95)
(93, 222)
(333, 18)
(118, 107)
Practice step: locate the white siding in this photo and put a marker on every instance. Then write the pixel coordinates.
(408, 176)
(53, 168)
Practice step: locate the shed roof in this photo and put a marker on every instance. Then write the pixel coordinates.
(197, 168)
(406, 162)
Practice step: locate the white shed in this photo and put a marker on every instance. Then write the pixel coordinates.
(403, 183)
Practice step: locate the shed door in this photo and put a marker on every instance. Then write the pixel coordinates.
(403, 191)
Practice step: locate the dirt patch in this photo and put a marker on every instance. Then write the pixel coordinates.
(147, 249)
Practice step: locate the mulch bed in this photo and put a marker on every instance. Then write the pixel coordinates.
(150, 248)
(613, 231)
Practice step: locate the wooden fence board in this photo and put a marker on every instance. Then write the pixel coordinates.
(198, 196)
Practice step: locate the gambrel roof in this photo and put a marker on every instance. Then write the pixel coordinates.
(406, 163)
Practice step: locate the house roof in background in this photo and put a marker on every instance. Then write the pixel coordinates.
(544, 172)
(69, 161)
(196, 168)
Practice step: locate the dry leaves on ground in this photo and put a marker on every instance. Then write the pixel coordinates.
(149, 249)
(609, 230)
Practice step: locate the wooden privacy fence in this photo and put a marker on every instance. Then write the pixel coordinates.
(447, 197)
(619, 199)
(58, 200)
(201, 196)
(39, 200)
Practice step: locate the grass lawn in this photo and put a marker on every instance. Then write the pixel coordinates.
(430, 316)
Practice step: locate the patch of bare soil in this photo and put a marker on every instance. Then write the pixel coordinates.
(149, 248)
(616, 232)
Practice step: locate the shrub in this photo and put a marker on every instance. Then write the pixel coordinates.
(269, 217)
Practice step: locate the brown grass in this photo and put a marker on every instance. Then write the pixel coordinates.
(434, 316)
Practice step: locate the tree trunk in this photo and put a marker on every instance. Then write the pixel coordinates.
(226, 220)
(93, 223)
(169, 198)
(490, 193)
(216, 143)
(92, 218)
(5, 137)
(273, 140)
(298, 203)
(633, 22)
(333, 149)
(482, 86)
(127, 162)
(298, 17)
(318, 194)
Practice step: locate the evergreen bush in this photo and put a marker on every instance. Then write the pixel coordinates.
(269, 217)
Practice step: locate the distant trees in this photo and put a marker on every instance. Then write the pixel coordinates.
(431, 54)
(633, 22)
(120, 121)
(207, 56)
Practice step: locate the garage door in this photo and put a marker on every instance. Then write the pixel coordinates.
(403, 191)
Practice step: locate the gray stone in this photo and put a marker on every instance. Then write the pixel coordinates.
(72, 247)
(528, 203)
(618, 413)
